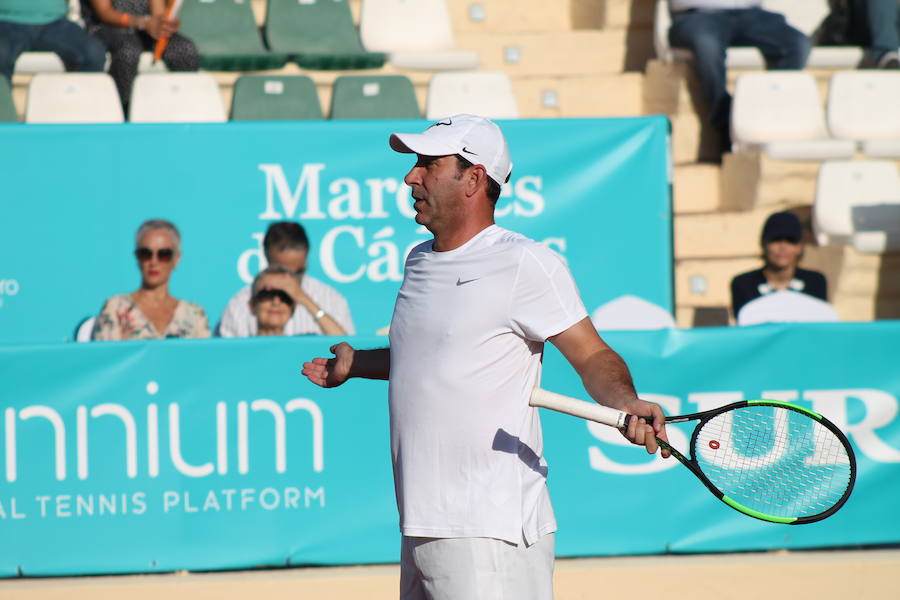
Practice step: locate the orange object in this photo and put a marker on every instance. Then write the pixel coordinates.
(123, 20)
(172, 11)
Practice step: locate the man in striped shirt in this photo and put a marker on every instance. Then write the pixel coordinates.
(320, 309)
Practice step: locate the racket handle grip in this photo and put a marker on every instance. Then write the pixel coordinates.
(628, 419)
(578, 408)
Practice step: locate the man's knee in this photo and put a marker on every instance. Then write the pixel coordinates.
(94, 57)
(794, 51)
(701, 38)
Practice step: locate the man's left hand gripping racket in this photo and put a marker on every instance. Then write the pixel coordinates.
(768, 459)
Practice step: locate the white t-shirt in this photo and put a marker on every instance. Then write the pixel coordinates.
(238, 321)
(466, 344)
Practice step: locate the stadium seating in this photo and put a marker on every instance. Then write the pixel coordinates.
(780, 113)
(786, 306)
(416, 35)
(226, 36)
(176, 98)
(49, 62)
(376, 97)
(864, 106)
(487, 93)
(805, 15)
(858, 203)
(73, 98)
(7, 106)
(275, 97)
(317, 35)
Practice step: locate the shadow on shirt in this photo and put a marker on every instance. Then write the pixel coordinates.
(504, 442)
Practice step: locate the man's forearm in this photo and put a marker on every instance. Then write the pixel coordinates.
(371, 364)
(607, 379)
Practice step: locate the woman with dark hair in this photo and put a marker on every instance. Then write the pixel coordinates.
(151, 312)
(129, 27)
(782, 245)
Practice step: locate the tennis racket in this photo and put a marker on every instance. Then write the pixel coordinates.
(768, 459)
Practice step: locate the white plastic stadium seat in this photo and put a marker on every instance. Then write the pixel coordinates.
(39, 62)
(85, 330)
(416, 34)
(49, 62)
(780, 113)
(73, 98)
(176, 98)
(858, 202)
(805, 15)
(865, 106)
(786, 306)
(486, 93)
(631, 312)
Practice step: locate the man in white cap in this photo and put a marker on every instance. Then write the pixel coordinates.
(466, 339)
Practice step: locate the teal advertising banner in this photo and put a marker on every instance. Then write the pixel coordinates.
(595, 190)
(217, 454)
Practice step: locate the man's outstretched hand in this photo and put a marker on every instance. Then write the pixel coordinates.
(331, 372)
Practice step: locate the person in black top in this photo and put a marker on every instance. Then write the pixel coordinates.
(782, 244)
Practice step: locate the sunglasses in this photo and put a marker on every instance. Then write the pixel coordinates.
(162, 255)
(269, 295)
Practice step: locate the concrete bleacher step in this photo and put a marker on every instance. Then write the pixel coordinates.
(696, 189)
(584, 52)
(751, 180)
(617, 95)
(514, 16)
(869, 286)
(718, 234)
(534, 16)
(623, 14)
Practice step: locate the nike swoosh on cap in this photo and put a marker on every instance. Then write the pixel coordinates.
(447, 122)
(467, 151)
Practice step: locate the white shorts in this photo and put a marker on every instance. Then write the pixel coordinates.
(475, 569)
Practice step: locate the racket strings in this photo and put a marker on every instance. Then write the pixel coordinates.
(774, 460)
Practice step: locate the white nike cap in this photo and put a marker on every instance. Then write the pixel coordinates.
(476, 139)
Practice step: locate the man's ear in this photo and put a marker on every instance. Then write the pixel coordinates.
(476, 179)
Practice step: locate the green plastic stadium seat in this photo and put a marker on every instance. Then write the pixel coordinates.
(7, 106)
(226, 36)
(280, 97)
(375, 97)
(317, 34)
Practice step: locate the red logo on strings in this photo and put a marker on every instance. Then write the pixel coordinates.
(714, 444)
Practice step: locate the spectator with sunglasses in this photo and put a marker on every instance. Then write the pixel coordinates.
(271, 304)
(782, 246)
(319, 308)
(151, 312)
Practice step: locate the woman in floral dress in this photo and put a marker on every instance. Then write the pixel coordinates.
(150, 312)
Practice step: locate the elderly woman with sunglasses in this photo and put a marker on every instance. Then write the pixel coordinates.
(150, 312)
(270, 302)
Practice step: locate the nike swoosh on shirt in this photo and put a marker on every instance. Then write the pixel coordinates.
(460, 282)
